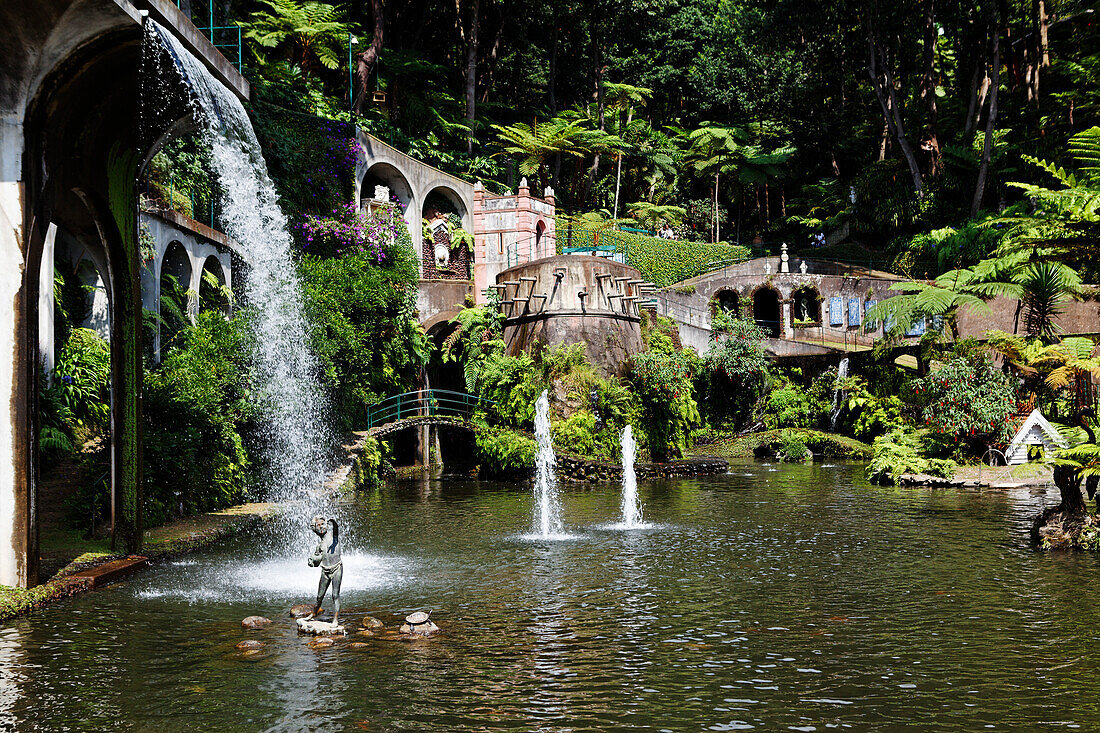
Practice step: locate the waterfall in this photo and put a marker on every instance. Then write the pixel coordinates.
(294, 410)
(631, 511)
(547, 519)
(841, 374)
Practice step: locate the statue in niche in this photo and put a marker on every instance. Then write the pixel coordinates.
(441, 239)
(327, 556)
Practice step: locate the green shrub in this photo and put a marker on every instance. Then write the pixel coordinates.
(788, 407)
(735, 369)
(364, 329)
(792, 447)
(576, 434)
(196, 408)
(967, 405)
(892, 455)
(503, 452)
(942, 467)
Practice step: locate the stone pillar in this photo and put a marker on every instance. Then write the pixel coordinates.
(18, 540)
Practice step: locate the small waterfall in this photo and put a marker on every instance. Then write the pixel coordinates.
(631, 510)
(547, 520)
(841, 374)
(297, 435)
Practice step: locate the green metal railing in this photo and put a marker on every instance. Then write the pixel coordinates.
(225, 38)
(423, 403)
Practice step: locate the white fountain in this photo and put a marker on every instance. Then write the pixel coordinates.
(547, 520)
(841, 374)
(631, 509)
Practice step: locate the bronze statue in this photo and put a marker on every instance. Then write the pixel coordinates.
(327, 556)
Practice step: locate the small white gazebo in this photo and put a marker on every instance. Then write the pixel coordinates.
(1036, 430)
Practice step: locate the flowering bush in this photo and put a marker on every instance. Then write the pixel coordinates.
(663, 385)
(736, 368)
(967, 404)
(349, 231)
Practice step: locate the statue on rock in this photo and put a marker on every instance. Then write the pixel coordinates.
(327, 556)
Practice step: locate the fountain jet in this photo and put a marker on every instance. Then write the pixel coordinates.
(547, 519)
(631, 510)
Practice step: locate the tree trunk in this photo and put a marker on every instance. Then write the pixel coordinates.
(366, 61)
(974, 106)
(885, 91)
(928, 89)
(716, 232)
(990, 126)
(1068, 481)
(471, 72)
(552, 98)
(494, 54)
(594, 171)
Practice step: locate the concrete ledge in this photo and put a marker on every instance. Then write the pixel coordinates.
(109, 572)
(194, 226)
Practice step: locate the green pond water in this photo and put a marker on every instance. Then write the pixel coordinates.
(772, 598)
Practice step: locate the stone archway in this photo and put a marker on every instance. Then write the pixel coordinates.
(212, 286)
(728, 300)
(175, 299)
(806, 305)
(767, 310)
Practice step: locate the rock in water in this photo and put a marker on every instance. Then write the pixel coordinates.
(321, 643)
(428, 628)
(320, 628)
(358, 645)
(249, 644)
(301, 610)
(255, 622)
(370, 622)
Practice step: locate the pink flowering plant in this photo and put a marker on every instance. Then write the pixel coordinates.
(347, 231)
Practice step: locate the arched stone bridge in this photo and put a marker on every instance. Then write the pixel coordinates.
(435, 421)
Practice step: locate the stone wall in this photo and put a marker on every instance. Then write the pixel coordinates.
(570, 299)
(585, 470)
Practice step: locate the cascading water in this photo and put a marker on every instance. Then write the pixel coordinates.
(631, 510)
(294, 410)
(547, 520)
(841, 374)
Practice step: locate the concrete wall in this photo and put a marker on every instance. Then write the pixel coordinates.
(605, 321)
(199, 242)
(70, 149)
(690, 302)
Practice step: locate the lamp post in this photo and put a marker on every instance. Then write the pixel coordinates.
(352, 41)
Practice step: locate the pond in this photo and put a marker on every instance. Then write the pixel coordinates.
(772, 598)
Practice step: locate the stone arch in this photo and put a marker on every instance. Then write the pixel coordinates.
(728, 299)
(174, 265)
(212, 296)
(446, 200)
(806, 304)
(385, 174)
(767, 310)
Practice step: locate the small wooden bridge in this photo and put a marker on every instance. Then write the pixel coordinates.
(423, 407)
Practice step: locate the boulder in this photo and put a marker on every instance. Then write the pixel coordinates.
(314, 627)
(249, 644)
(365, 632)
(255, 622)
(322, 642)
(370, 622)
(301, 610)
